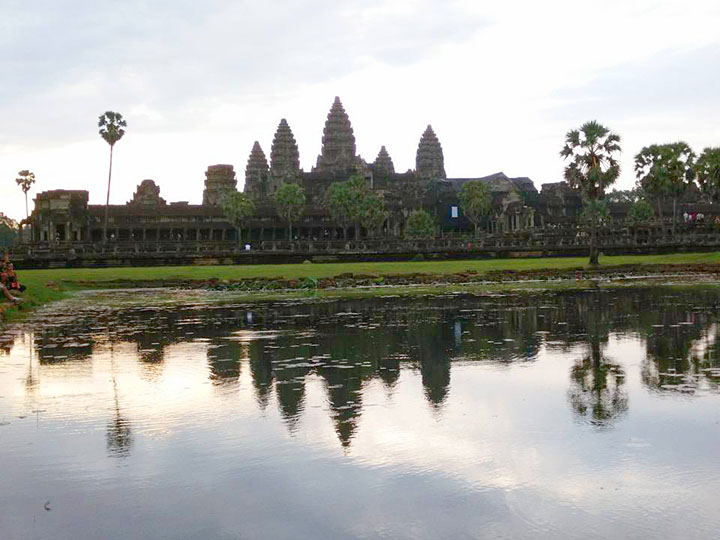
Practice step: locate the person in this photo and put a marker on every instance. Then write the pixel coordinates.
(9, 281)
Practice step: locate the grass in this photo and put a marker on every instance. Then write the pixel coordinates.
(67, 276)
(49, 285)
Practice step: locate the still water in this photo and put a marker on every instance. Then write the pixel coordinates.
(590, 414)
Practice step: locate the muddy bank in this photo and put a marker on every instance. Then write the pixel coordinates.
(350, 280)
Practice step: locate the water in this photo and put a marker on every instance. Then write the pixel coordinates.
(558, 415)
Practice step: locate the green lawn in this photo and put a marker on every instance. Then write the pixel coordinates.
(293, 271)
(49, 285)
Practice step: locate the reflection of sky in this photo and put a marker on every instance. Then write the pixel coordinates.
(503, 456)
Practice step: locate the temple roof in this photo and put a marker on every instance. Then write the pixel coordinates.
(383, 163)
(338, 141)
(256, 171)
(284, 154)
(429, 161)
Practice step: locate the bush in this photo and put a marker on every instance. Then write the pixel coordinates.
(420, 224)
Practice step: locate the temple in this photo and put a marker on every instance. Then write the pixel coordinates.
(62, 216)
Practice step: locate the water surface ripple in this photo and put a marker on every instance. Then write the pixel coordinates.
(592, 414)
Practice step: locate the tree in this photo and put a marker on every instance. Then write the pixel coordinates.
(640, 213)
(8, 231)
(237, 207)
(666, 170)
(373, 212)
(625, 196)
(475, 201)
(25, 180)
(708, 172)
(593, 168)
(352, 202)
(339, 202)
(112, 128)
(596, 211)
(420, 224)
(289, 204)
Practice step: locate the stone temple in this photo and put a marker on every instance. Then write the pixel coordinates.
(65, 216)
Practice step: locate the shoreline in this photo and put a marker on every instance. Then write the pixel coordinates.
(350, 285)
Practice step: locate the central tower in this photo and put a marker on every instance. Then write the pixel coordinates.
(338, 141)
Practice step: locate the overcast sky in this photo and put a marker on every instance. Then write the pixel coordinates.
(198, 82)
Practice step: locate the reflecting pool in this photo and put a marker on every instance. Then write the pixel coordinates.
(592, 414)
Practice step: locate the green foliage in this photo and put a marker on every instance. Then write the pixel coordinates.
(640, 212)
(25, 180)
(593, 166)
(708, 172)
(665, 169)
(372, 211)
(625, 196)
(353, 201)
(237, 207)
(339, 202)
(475, 201)
(290, 203)
(8, 231)
(595, 211)
(420, 224)
(112, 127)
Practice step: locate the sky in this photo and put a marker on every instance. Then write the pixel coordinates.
(198, 82)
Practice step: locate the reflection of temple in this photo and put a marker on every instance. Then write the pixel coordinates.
(65, 216)
(348, 344)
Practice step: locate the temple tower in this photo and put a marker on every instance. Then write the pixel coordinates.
(284, 157)
(256, 173)
(383, 165)
(147, 194)
(429, 162)
(218, 179)
(338, 141)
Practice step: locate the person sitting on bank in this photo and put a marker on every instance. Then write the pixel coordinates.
(9, 281)
(6, 293)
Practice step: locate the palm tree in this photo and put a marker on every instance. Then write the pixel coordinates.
(593, 168)
(25, 180)
(111, 126)
(666, 170)
(237, 207)
(289, 204)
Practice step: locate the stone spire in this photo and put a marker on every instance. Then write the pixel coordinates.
(338, 142)
(429, 163)
(256, 173)
(383, 165)
(218, 179)
(284, 157)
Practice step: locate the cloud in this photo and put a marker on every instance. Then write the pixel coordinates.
(61, 57)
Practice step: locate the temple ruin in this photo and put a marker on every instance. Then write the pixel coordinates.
(65, 217)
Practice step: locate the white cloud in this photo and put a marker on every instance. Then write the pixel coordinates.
(500, 82)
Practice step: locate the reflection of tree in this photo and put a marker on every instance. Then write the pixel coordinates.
(682, 357)
(597, 392)
(119, 435)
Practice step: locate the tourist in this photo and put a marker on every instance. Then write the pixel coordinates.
(9, 278)
(4, 287)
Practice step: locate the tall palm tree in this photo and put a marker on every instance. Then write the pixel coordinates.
(25, 180)
(112, 128)
(593, 167)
